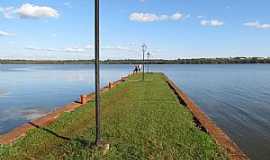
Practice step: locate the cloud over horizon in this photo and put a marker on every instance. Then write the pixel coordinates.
(212, 23)
(69, 49)
(3, 33)
(151, 17)
(257, 25)
(86, 48)
(31, 11)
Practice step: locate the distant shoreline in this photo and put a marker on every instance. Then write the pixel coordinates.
(234, 60)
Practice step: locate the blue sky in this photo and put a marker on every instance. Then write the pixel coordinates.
(63, 29)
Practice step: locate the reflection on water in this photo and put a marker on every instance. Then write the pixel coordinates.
(30, 91)
(3, 93)
(236, 97)
(31, 113)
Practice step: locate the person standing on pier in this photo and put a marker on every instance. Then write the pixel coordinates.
(135, 69)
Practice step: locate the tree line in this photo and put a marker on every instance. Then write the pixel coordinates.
(234, 60)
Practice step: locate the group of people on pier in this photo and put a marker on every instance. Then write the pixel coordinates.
(137, 68)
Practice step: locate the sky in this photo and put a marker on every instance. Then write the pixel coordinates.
(171, 29)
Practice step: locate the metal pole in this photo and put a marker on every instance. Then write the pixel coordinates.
(143, 49)
(97, 78)
(148, 60)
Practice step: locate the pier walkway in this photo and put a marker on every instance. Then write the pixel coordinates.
(140, 120)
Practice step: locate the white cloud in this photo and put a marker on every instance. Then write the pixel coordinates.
(89, 46)
(86, 48)
(200, 17)
(143, 17)
(7, 12)
(74, 50)
(177, 16)
(120, 48)
(29, 11)
(70, 49)
(33, 11)
(3, 33)
(257, 25)
(212, 23)
(43, 49)
(151, 17)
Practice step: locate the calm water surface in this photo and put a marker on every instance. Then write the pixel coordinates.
(236, 97)
(30, 91)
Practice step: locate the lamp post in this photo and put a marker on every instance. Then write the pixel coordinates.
(144, 47)
(148, 60)
(97, 77)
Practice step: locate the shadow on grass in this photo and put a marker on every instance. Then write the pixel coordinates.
(83, 142)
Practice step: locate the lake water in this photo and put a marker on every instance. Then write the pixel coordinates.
(236, 97)
(30, 91)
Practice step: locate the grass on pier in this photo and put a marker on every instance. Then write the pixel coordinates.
(141, 120)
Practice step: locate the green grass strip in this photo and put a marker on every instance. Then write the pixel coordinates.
(140, 120)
